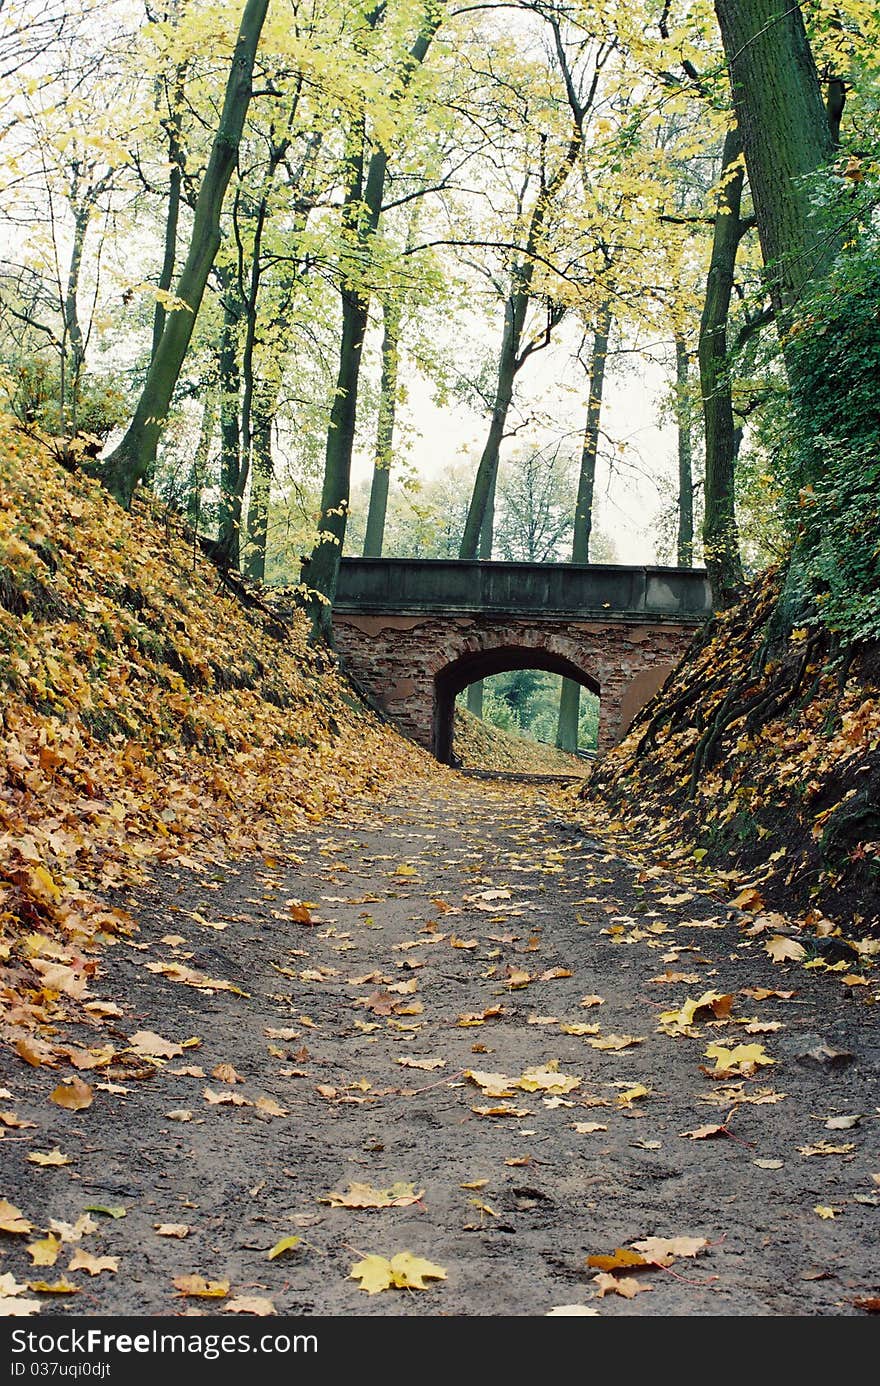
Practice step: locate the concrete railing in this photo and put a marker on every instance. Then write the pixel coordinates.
(597, 590)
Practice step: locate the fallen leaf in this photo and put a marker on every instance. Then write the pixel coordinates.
(824, 1148)
(741, 1059)
(299, 913)
(95, 1265)
(403, 1271)
(825, 1211)
(842, 1123)
(44, 1252)
(73, 1094)
(58, 1287)
(592, 1000)
(249, 1304)
(546, 1079)
(662, 1250)
(619, 1259)
(73, 1231)
(627, 1286)
(399, 1195)
(269, 1107)
(769, 1164)
(179, 1114)
(52, 1159)
(492, 1084)
(114, 1210)
(171, 1229)
(225, 1073)
(197, 1287)
(12, 1220)
(569, 1310)
(630, 1095)
(152, 1046)
(406, 1061)
(286, 1244)
(14, 1122)
(614, 1042)
(586, 1128)
(504, 1109)
(15, 1308)
(782, 949)
(703, 1133)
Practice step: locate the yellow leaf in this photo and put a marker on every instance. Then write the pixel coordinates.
(824, 1210)
(74, 1095)
(59, 1287)
(428, 1064)
(404, 1271)
(399, 1195)
(152, 1046)
(286, 1244)
(619, 1259)
(250, 1304)
(171, 1229)
(492, 1084)
(197, 1287)
(781, 949)
(547, 1079)
(742, 1058)
(13, 1220)
(662, 1250)
(615, 1042)
(626, 1099)
(53, 1158)
(627, 1286)
(95, 1265)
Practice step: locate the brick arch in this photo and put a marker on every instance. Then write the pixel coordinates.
(481, 662)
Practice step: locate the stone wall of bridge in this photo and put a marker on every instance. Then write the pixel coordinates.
(415, 665)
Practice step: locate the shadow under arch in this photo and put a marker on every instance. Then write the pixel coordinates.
(482, 664)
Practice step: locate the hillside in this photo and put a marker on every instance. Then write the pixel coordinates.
(760, 757)
(480, 745)
(148, 717)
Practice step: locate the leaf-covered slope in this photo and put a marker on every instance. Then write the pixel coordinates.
(147, 715)
(764, 752)
(482, 746)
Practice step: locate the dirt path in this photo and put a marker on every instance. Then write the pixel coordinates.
(478, 901)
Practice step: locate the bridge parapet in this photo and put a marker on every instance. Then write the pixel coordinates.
(551, 590)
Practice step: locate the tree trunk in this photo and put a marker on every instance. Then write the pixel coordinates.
(684, 548)
(126, 465)
(375, 535)
(261, 483)
(786, 136)
(199, 469)
(361, 211)
(720, 536)
(230, 432)
(72, 327)
(570, 696)
(175, 185)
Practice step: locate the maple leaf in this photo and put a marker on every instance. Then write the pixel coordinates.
(662, 1250)
(825, 1148)
(57, 1287)
(592, 1000)
(73, 1094)
(627, 1286)
(577, 1029)
(403, 1271)
(12, 1220)
(249, 1304)
(546, 1079)
(480, 1017)
(51, 1159)
(95, 1265)
(570, 1310)
(15, 1307)
(630, 1095)
(15, 1123)
(825, 1211)
(171, 1229)
(742, 1058)
(225, 1073)
(197, 1287)
(152, 1046)
(428, 1064)
(73, 1231)
(614, 1042)
(586, 1128)
(782, 949)
(399, 1195)
(492, 1084)
(504, 1109)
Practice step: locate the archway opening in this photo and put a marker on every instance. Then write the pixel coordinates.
(522, 689)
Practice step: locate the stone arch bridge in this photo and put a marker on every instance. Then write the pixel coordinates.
(415, 632)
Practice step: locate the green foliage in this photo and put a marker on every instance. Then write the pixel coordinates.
(832, 462)
(526, 701)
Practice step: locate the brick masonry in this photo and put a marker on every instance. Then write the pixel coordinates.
(415, 665)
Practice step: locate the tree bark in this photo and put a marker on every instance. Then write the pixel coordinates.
(720, 535)
(230, 429)
(375, 535)
(362, 209)
(199, 469)
(786, 136)
(684, 547)
(172, 217)
(261, 483)
(570, 695)
(125, 466)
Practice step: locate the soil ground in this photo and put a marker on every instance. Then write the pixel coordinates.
(456, 892)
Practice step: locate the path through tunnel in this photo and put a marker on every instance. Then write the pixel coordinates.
(484, 664)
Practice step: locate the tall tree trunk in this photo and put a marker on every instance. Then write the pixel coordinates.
(261, 482)
(172, 216)
(230, 430)
(199, 469)
(786, 136)
(72, 327)
(362, 209)
(375, 535)
(128, 462)
(511, 357)
(570, 694)
(684, 548)
(720, 536)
